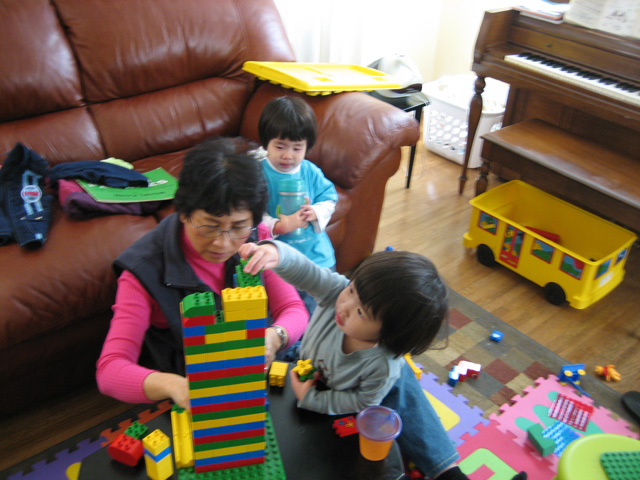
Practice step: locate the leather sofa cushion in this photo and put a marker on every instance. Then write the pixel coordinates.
(67, 280)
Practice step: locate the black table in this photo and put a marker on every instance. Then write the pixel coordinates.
(410, 103)
(309, 447)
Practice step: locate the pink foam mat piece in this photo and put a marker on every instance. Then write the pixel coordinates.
(533, 407)
(494, 451)
(469, 416)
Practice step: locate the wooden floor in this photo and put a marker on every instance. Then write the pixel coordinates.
(429, 218)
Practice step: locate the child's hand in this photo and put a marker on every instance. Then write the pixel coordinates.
(308, 213)
(263, 257)
(299, 387)
(288, 223)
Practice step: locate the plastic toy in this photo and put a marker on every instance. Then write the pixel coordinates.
(225, 369)
(157, 455)
(573, 413)
(125, 449)
(462, 371)
(304, 369)
(496, 335)
(182, 440)
(609, 373)
(416, 370)
(572, 374)
(584, 268)
(545, 446)
(345, 426)
(278, 373)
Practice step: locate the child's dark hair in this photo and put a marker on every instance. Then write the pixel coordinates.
(219, 175)
(404, 290)
(288, 118)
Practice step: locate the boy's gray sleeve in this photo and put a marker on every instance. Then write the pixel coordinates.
(296, 269)
(375, 384)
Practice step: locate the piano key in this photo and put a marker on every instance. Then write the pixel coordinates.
(623, 91)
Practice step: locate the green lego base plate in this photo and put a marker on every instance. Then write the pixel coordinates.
(271, 469)
(621, 465)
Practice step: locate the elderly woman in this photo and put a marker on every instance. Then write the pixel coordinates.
(219, 203)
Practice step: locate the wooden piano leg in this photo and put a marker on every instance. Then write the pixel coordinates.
(475, 112)
(481, 180)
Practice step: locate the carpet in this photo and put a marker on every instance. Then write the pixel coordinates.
(487, 417)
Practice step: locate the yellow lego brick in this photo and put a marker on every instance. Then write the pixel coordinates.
(159, 470)
(416, 371)
(182, 439)
(278, 373)
(243, 298)
(221, 452)
(156, 442)
(303, 367)
(240, 315)
(226, 389)
(225, 337)
(157, 455)
(227, 421)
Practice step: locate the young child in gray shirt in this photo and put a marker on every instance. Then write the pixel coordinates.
(395, 303)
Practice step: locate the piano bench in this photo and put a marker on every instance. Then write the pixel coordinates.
(568, 166)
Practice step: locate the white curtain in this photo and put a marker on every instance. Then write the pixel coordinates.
(354, 31)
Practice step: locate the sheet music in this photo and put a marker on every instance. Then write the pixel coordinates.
(619, 17)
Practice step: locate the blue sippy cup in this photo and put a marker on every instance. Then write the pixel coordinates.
(292, 193)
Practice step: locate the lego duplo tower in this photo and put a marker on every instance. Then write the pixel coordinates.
(225, 360)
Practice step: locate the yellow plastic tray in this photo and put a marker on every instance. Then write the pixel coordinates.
(321, 78)
(586, 262)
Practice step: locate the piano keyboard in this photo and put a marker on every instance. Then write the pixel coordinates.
(625, 92)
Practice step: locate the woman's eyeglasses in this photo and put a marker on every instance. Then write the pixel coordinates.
(213, 231)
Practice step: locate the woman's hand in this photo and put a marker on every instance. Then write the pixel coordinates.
(261, 257)
(273, 343)
(160, 385)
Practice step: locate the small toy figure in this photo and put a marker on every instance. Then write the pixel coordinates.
(572, 374)
(609, 373)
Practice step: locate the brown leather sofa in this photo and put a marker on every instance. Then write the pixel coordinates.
(144, 80)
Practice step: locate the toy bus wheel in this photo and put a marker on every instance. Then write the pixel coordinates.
(554, 294)
(485, 256)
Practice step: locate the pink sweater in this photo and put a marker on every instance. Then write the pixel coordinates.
(118, 373)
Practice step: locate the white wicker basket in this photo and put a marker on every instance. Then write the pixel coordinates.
(445, 119)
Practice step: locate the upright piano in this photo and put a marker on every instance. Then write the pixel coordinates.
(580, 81)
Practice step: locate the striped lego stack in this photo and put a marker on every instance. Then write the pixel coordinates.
(224, 354)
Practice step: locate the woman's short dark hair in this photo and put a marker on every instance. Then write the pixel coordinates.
(403, 290)
(219, 175)
(288, 117)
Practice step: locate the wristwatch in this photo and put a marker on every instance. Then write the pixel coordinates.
(282, 333)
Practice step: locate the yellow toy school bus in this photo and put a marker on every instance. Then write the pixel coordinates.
(575, 255)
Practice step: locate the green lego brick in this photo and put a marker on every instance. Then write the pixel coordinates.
(271, 469)
(221, 382)
(224, 346)
(246, 279)
(236, 412)
(205, 447)
(137, 430)
(198, 304)
(545, 446)
(621, 465)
